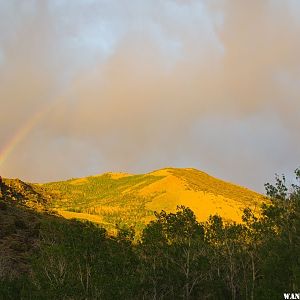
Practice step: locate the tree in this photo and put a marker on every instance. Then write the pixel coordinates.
(174, 245)
(281, 262)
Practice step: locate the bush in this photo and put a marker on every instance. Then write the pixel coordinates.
(3, 205)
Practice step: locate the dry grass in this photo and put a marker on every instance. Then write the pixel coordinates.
(81, 216)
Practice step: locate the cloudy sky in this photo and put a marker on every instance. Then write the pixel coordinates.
(89, 86)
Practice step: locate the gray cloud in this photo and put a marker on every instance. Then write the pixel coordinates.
(139, 86)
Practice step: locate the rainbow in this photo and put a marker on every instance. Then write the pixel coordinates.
(22, 132)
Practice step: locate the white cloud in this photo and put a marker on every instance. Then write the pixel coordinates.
(134, 79)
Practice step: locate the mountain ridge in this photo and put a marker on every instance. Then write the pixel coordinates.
(119, 197)
(131, 199)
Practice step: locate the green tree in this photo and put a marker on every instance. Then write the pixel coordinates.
(280, 254)
(173, 244)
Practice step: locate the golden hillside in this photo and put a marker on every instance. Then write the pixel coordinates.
(113, 198)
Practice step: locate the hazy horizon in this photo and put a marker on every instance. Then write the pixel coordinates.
(89, 87)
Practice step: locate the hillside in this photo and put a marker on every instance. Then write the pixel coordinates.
(129, 199)
(45, 256)
(22, 208)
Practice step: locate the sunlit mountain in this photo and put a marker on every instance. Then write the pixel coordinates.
(113, 198)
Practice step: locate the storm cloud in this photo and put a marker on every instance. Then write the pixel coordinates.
(140, 85)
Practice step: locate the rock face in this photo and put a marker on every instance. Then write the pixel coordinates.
(30, 195)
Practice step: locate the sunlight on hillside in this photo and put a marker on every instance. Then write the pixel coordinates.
(80, 216)
(121, 198)
(79, 181)
(118, 175)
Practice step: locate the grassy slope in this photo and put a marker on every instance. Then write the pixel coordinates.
(131, 199)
